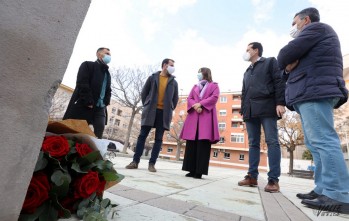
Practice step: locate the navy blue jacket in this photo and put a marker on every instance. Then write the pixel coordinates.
(319, 73)
(262, 89)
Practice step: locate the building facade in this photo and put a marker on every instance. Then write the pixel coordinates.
(232, 149)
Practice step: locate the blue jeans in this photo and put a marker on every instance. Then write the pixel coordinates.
(159, 132)
(320, 136)
(253, 126)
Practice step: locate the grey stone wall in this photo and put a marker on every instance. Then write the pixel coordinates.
(36, 41)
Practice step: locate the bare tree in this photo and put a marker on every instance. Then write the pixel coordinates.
(127, 86)
(291, 134)
(174, 133)
(59, 105)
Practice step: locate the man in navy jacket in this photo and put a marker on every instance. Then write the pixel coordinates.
(313, 66)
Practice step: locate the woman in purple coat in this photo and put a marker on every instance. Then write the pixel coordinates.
(200, 128)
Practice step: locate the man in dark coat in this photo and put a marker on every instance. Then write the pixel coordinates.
(159, 99)
(262, 103)
(313, 66)
(92, 92)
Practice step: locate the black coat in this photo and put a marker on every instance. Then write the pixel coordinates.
(263, 88)
(87, 91)
(150, 93)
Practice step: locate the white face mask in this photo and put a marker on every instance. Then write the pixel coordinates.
(246, 56)
(294, 32)
(170, 69)
(199, 76)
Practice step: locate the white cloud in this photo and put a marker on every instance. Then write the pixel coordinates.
(192, 52)
(262, 10)
(169, 6)
(335, 13)
(149, 27)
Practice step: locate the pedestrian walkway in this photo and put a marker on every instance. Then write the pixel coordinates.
(169, 195)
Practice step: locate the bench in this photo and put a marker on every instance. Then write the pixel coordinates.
(307, 174)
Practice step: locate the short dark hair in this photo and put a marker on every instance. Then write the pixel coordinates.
(313, 14)
(165, 61)
(206, 74)
(259, 46)
(101, 49)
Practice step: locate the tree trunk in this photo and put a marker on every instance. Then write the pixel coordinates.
(178, 153)
(291, 162)
(133, 114)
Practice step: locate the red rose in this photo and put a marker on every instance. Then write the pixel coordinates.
(37, 192)
(86, 185)
(101, 187)
(83, 149)
(56, 146)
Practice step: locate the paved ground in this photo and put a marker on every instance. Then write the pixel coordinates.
(169, 195)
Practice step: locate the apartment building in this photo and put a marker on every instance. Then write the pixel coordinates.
(232, 149)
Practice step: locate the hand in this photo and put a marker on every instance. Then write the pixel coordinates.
(196, 106)
(199, 110)
(280, 110)
(90, 106)
(291, 66)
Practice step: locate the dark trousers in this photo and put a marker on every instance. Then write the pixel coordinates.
(159, 132)
(99, 121)
(197, 156)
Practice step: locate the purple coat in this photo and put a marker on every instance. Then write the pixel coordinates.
(207, 119)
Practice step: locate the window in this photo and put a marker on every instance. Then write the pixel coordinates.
(237, 138)
(169, 150)
(236, 111)
(181, 113)
(242, 156)
(119, 112)
(226, 155)
(215, 153)
(111, 120)
(223, 99)
(117, 122)
(221, 126)
(113, 110)
(221, 140)
(236, 97)
(234, 124)
(222, 113)
(183, 100)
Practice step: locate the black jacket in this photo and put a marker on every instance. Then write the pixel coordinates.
(87, 91)
(263, 88)
(319, 73)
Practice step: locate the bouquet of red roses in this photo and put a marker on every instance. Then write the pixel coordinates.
(69, 178)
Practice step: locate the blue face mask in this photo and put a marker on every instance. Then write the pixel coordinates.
(106, 59)
(199, 76)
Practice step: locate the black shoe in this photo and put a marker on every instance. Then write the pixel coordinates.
(197, 176)
(309, 196)
(324, 203)
(191, 174)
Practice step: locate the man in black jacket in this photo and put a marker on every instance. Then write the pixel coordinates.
(92, 92)
(262, 103)
(159, 99)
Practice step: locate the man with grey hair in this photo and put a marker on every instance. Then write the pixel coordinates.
(313, 66)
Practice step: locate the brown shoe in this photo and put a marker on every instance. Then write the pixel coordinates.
(132, 165)
(272, 187)
(151, 168)
(248, 181)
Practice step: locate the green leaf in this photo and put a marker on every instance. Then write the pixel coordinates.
(89, 158)
(41, 163)
(35, 215)
(75, 166)
(61, 181)
(71, 143)
(105, 203)
(112, 176)
(59, 207)
(50, 214)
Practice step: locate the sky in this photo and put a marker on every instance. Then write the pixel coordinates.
(194, 33)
